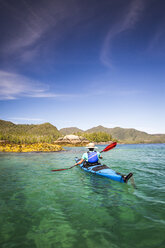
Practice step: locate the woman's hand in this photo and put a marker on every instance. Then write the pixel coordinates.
(80, 162)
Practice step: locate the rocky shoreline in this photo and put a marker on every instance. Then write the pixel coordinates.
(37, 147)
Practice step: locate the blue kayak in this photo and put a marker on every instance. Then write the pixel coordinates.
(105, 171)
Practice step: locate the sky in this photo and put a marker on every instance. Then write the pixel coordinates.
(83, 63)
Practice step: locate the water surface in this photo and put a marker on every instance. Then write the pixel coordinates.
(74, 209)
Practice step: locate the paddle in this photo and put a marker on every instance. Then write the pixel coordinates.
(106, 149)
(109, 147)
(64, 169)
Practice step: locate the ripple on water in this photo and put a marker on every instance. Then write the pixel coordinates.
(71, 209)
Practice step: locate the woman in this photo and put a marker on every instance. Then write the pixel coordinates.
(91, 157)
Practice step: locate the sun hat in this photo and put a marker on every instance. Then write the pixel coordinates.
(91, 145)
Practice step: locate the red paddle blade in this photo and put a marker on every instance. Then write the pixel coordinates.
(109, 147)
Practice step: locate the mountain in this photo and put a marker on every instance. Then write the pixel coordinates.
(70, 130)
(44, 129)
(98, 129)
(40, 129)
(126, 135)
(6, 125)
(121, 133)
(45, 132)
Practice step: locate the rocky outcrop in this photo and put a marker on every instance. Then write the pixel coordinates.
(72, 140)
(37, 147)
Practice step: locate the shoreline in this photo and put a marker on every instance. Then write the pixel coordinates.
(46, 147)
(36, 147)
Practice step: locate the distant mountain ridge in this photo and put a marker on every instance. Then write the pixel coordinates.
(48, 132)
(70, 130)
(126, 135)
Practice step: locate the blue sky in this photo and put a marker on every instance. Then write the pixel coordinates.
(83, 63)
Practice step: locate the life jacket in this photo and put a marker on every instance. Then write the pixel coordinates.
(92, 157)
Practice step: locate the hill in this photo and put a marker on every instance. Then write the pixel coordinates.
(126, 135)
(130, 135)
(121, 133)
(70, 130)
(24, 133)
(46, 132)
(98, 129)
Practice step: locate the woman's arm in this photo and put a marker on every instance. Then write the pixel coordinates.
(80, 162)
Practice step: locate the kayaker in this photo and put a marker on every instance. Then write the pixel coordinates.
(91, 157)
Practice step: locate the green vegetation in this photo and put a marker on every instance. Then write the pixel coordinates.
(96, 136)
(130, 135)
(124, 135)
(47, 133)
(70, 130)
(28, 134)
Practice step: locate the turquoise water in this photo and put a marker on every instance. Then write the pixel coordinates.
(75, 209)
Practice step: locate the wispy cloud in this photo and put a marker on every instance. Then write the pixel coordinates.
(155, 41)
(13, 86)
(28, 30)
(127, 20)
(33, 23)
